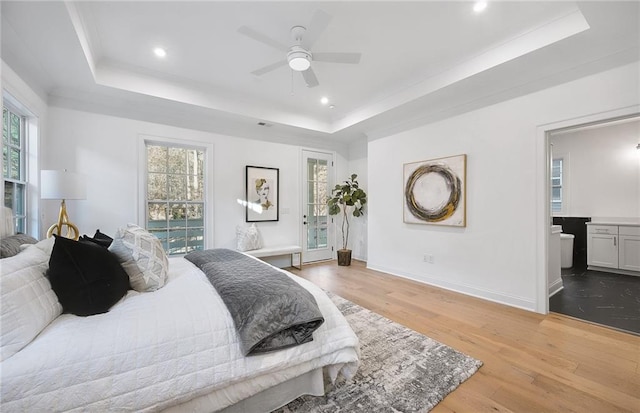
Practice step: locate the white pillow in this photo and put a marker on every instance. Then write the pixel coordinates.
(28, 302)
(248, 238)
(141, 255)
(45, 245)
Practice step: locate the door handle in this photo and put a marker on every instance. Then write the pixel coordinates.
(614, 241)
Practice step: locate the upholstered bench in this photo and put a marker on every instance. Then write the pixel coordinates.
(279, 250)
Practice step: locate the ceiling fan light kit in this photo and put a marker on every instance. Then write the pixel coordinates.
(299, 59)
(299, 56)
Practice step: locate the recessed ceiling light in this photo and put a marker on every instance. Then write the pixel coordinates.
(479, 6)
(324, 100)
(159, 52)
(333, 106)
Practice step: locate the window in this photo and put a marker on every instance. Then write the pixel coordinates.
(175, 206)
(556, 185)
(13, 166)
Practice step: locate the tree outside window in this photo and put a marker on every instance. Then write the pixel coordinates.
(175, 197)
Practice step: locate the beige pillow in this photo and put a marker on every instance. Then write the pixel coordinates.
(248, 238)
(141, 255)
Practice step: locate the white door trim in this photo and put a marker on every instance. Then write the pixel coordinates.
(310, 256)
(543, 210)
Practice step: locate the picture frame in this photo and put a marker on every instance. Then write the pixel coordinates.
(435, 191)
(262, 186)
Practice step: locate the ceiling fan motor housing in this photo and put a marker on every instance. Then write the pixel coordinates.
(299, 59)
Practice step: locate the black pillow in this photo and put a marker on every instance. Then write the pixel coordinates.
(87, 278)
(99, 238)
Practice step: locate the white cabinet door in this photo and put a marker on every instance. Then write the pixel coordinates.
(602, 250)
(629, 252)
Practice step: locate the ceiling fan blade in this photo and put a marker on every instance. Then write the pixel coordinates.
(319, 23)
(337, 57)
(269, 68)
(257, 36)
(310, 78)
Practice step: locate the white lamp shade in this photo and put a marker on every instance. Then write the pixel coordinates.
(62, 185)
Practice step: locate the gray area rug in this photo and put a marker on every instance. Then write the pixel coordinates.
(400, 370)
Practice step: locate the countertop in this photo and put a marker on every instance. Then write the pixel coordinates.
(618, 223)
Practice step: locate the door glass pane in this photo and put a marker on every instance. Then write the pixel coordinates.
(322, 171)
(322, 237)
(312, 242)
(311, 214)
(317, 211)
(311, 169)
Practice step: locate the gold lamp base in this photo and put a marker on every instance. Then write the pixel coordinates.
(63, 221)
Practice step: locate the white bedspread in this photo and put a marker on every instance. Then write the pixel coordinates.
(155, 350)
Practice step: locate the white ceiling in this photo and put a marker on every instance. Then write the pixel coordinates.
(421, 60)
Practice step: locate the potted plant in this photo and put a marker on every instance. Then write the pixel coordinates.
(347, 197)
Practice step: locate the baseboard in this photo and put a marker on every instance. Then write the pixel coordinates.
(494, 296)
(613, 270)
(555, 288)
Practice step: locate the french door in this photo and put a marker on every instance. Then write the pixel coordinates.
(317, 178)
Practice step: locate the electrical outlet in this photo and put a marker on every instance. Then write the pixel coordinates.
(428, 258)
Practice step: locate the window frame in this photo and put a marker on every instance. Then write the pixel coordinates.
(207, 148)
(21, 221)
(564, 185)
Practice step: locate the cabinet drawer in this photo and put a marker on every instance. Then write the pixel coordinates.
(602, 229)
(625, 230)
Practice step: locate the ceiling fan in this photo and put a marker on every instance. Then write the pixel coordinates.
(299, 55)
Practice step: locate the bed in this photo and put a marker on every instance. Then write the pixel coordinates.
(175, 349)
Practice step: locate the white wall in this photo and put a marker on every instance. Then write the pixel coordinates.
(496, 256)
(603, 172)
(357, 164)
(105, 148)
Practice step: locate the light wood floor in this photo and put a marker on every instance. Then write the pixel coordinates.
(532, 363)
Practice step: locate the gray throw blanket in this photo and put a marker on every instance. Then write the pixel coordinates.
(270, 310)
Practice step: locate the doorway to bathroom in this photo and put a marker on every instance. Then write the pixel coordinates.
(595, 179)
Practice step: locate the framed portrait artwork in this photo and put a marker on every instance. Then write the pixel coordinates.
(435, 191)
(262, 190)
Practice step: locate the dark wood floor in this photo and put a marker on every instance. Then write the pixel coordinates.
(532, 363)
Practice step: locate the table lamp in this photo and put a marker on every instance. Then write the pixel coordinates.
(62, 185)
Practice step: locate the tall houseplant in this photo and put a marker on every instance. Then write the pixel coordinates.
(347, 197)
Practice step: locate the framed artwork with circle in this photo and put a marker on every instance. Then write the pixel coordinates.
(435, 191)
(262, 194)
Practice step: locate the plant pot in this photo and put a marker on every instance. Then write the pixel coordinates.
(344, 257)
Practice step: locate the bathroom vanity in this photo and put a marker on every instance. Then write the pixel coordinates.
(614, 247)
